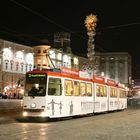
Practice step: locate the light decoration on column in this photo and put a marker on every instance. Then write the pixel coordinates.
(90, 24)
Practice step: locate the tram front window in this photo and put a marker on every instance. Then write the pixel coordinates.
(35, 85)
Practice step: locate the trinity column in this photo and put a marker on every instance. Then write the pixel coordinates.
(116, 69)
(107, 67)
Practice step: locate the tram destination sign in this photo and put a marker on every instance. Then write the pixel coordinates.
(34, 75)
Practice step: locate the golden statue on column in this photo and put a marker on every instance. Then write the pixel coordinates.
(90, 24)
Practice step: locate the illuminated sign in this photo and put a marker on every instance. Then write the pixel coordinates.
(98, 79)
(84, 74)
(111, 82)
(36, 75)
(69, 71)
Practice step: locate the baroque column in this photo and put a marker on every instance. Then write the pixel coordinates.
(90, 23)
(116, 69)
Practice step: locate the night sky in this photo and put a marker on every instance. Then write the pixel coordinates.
(31, 21)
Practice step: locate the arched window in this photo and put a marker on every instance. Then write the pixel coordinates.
(6, 64)
(11, 64)
(17, 66)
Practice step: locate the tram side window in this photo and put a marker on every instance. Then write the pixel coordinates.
(122, 94)
(83, 89)
(104, 94)
(76, 88)
(98, 93)
(89, 89)
(68, 87)
(113, 92)
(101, 91)
(54, 86)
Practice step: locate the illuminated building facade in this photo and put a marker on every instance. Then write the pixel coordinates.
(46, 57)
(115, 65)
(15, 61)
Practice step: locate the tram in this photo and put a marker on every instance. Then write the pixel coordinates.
(113, 99)
(62, 93)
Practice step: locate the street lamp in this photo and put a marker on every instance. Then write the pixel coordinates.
(90, 24)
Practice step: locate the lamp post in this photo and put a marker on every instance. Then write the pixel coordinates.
(90, 24)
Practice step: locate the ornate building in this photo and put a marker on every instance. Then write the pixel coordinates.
(115, 65)
(47, 57)
(15, 61)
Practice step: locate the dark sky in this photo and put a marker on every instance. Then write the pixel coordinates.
(117, 29)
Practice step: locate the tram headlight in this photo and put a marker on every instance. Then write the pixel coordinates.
(25, 113)
(33, 105)
(42, 114)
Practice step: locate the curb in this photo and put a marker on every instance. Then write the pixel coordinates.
(5, 120)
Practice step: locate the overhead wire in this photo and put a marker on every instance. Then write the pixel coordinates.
(119, 26)
(65, 28)
(15, 33)
(51, 21)
(46, 18)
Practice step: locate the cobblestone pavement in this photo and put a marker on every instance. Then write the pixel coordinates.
(121, 125)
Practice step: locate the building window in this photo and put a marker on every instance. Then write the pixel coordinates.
(65, 60)
(19, 55)
(59, 56)
(52, 54)
(6, 64)
(38, 51)
(30, 67)
(17, 66)
(22, 67)
(44, 51)
(11, 64)
(26, 68)
(58, 64)
(39, 62)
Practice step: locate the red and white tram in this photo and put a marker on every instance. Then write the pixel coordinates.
(68, 93)
(100, 94)
(122, 97)
(113, 97)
